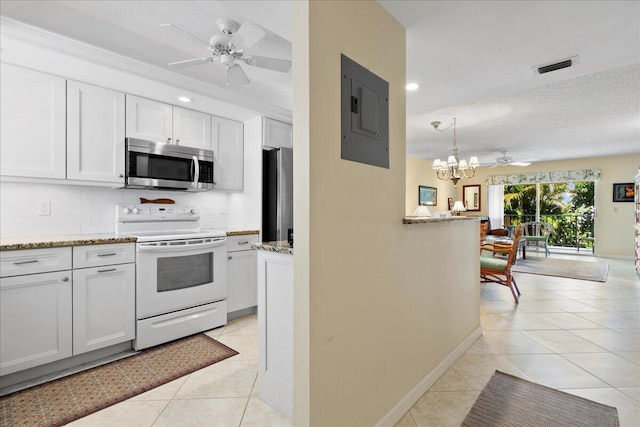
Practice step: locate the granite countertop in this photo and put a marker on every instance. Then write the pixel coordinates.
(19, 243)
(281, 247)
(430, 219)
(242, 232)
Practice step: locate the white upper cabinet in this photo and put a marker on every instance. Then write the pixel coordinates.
(150, 120)
(95, 133)
(191, 128)
(156, 121)
(227, 142)
(32, 113)
(276, 134)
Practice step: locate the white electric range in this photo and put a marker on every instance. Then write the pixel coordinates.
(181, 272)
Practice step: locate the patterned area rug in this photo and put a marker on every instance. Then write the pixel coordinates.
(67, 399)
(510, 401)
(571, 269)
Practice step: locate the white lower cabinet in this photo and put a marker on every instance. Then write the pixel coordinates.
(35, 320)
(242, 286)
(275, 330)
(49, 311)
(103, 306)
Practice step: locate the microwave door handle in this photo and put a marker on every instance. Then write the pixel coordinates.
(196, 173)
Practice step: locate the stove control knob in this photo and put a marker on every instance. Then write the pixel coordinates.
(126, 210)
(192, 211)
(136, 210)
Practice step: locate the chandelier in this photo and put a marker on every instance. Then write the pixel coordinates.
(454, 168)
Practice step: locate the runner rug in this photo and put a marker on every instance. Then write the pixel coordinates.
(508, 401)
(583, 270)
(66, 399)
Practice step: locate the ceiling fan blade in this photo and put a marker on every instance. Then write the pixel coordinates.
(236, 76)
(192, 62)
(186, 35)
(274, 64)
(246, 36)
(520, 163)
(494, 166)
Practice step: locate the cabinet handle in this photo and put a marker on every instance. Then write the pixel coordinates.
(243, 243)
(169, 140)
(229, 258)
(106, 270)
(121, 176)
(109, 254)
(31, 261)
(178, 141)
(65, 279)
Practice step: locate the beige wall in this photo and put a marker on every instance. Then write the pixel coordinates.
(377, 306)
(614, 222)
(420, 172)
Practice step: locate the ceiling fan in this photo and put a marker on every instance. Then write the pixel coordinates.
(505, 160)
(228, 48)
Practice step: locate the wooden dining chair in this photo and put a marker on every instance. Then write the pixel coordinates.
(484, 229)
(496, 268)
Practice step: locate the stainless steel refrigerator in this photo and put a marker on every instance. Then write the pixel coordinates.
(277, 194)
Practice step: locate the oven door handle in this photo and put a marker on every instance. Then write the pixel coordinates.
(151, 247)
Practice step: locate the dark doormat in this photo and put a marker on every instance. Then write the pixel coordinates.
(508, 401)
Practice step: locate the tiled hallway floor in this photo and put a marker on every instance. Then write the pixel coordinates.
(223, 394)
(578, 336)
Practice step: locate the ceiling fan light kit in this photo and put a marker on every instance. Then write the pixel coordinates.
(229, 48)
(454, 169)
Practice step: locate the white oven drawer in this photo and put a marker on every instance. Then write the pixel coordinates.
(29, 261)
(241, 243)
(99, 255)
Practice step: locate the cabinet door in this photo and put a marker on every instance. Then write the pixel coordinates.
(242, 286)
(95, 133)
(103, 306)
(35, 320)
(32, 113)
(191, 128)
(276, 134)
(228, 146)
(150, 120)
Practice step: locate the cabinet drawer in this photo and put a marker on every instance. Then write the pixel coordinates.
(241, 243)
(97, 255)
(29, 261)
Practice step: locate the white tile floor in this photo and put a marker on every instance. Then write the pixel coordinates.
(578, 336)
(223, 394)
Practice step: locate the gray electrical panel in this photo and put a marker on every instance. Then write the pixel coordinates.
(365, 115)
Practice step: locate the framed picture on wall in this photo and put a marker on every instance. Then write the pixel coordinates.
(471, 197)
(427, 196)
(623, 192)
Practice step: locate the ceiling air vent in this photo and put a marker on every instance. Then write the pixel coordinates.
(558, 65)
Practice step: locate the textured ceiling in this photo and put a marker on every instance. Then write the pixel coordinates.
(474, 60)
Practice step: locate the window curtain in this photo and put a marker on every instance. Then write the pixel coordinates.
(495, 200)
(535, 177)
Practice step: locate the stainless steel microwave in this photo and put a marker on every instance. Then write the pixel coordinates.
(161, 166)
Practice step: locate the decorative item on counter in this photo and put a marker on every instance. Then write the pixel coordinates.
(458, 207)
(422, 211)
(158, 201)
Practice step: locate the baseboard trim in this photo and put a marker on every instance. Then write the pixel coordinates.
(407, 402)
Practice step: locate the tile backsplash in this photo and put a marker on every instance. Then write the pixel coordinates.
(82, 209)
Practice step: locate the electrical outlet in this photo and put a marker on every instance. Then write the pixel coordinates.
(44, 208)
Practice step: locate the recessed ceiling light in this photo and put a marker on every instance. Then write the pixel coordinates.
(184, 99)
(412, 86)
